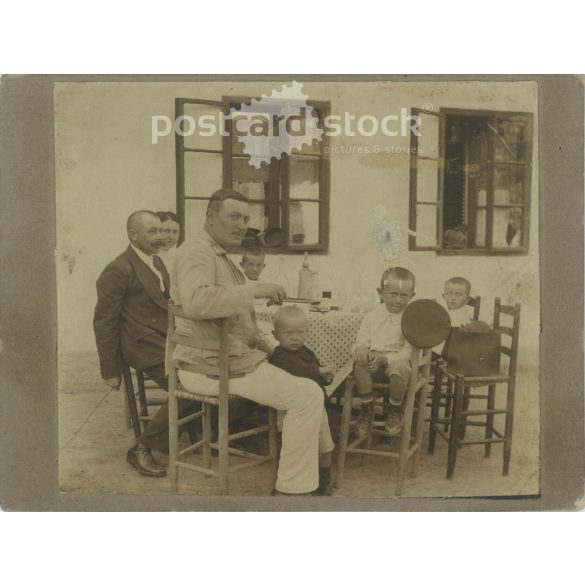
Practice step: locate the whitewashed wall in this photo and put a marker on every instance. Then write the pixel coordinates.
(107, 167)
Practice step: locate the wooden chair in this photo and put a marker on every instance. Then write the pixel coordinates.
(460, 387)
(446, 397)
(475, 302)
(136, 402)
(410, 446)
(221, 401)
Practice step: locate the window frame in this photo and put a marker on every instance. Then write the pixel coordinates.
(279, 172)
(489, 249)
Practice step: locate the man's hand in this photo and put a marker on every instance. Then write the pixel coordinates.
(362, 356)
(376, 361)
(326, 372)
(274, 292)
(113, 383)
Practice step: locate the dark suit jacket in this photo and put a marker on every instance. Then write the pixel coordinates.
(130, 319)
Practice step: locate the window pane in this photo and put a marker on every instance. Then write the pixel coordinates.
(509, 184)
(304, 223)
(254, 184)
(248, 180)
(427, 180)
(255, 128)
(480, 225)
(203, 174)
(426, 225)
(507, 228)
(194, 216)
(304, 177)
(428, 141)
(511, 140)
(202, 119)
(308, 128)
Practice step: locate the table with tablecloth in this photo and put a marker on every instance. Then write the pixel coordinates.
(330, 335)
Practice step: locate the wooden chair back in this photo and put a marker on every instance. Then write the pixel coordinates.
(475, 302)
(510, 334)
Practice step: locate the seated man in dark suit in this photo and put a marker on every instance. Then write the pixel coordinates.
(130, 320)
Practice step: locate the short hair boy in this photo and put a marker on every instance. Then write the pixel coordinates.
(456, 293)
(381, 353)
(293, 356)
(252, 264)
(456, 296)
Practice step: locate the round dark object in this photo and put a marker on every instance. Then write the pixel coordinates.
(425, 323)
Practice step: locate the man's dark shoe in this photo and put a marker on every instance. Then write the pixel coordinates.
(363, 425)
(324, 488)
(142, 460)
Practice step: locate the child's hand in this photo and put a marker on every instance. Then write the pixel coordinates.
(326, 373)
(376, 361)
(362, 356)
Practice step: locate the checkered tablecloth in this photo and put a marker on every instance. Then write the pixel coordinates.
(330, 335)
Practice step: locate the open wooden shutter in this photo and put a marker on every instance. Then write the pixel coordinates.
(201, 167)
(426, 182)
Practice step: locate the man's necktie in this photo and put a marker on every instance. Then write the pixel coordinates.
(160, 266)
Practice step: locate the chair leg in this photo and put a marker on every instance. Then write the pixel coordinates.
(448, 404)
(206, 427)
(131, 402)
(455, 425)
(173, 429)
(223, 452)
(508, 427)
(273, 443)
(405, 441)
(344, 431)
(489, 426)
(466, 401)
(127, 416)
(142, 395)
(419, 430)
(368, 443)
(435, 410)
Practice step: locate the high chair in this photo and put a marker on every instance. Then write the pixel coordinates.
(460, 386)
(446, 396)
(221, 401)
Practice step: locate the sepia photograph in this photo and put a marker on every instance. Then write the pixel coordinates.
(298, 288)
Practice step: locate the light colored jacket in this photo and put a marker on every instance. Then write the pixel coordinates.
(209, 286)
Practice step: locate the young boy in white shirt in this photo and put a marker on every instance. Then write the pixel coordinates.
(381, 353)
(455, 297)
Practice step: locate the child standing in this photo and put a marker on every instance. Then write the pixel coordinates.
(381, 353)
(293, 356)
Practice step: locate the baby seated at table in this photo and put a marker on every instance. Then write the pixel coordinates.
(456, 295)
(381, 354)
(293, 356)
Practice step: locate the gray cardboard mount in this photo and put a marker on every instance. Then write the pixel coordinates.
(28, 382)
